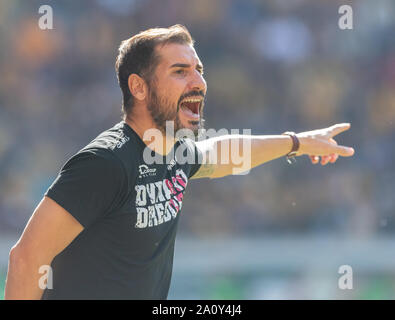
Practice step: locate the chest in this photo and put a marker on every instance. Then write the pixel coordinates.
(151, 211)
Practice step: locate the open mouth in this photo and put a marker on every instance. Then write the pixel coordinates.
(191, 107)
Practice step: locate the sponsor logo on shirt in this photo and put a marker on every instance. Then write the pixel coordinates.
(146, 172)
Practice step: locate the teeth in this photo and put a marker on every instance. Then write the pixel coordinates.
(192, 100)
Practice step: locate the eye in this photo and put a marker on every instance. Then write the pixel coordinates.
(180, 72)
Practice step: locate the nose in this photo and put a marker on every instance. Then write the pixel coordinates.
(197, 82)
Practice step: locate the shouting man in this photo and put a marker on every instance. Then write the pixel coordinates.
(106, 227)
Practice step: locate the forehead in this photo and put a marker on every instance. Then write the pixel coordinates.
(177, 53)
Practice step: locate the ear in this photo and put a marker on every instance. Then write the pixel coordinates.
(137, 86)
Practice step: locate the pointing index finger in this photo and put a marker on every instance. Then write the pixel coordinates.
(340, 127)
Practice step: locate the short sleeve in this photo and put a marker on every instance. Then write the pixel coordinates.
(89, 185)
(196, 154)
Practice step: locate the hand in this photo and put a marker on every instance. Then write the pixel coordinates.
(321, 143)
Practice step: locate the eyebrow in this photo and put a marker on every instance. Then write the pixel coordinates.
(185, 65)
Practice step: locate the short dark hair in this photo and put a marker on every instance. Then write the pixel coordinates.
(137, 55)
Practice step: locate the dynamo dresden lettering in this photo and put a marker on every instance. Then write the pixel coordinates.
(160, 201)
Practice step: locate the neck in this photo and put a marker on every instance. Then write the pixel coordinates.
(161, 144)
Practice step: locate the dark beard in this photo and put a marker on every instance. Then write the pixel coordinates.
(162, 110)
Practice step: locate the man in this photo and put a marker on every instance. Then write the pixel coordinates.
(107, 225)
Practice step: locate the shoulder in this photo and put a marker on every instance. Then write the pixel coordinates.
(95, 162)
(115, 147)
(110, 139)
(99, 153)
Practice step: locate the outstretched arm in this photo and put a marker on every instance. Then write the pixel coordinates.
(236, 154)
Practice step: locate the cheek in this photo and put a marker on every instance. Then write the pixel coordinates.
(175, 88)
(172, 89)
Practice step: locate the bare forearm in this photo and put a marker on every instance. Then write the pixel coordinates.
(22, 280)
(269, 147)
(234, 154)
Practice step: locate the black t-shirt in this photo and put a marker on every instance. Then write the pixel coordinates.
(129, 210)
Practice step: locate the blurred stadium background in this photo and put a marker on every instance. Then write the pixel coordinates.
(280, 232)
